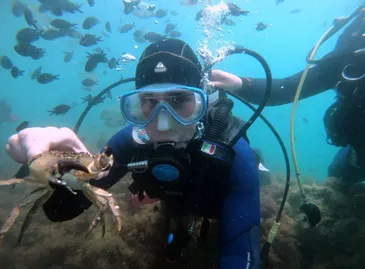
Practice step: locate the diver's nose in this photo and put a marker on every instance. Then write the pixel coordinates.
(163, 121)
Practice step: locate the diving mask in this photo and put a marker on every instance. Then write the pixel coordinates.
(187, 105)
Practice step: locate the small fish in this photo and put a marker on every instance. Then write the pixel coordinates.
(90, 22)
(18, 9)
(126, 27)
(260, 26)
(91, 3)
(229, 22)
(63, 24)
(92, 100)
(22, 126)
(175, 34)
(68, 6)
(88, 82)
(59, 110)
(295, 11)
(170, 27)
(74, 34)
(68, 56)
(199, 15)
(174, 13)
(28, 50)
(139, 40)
(94, 59)
(28, 15)
(138, 33)
(16, 72)
(236, 10)
(161, 13)
(5, 62)
(108, 28)
(35, 74)
(27, 35)
(51, 34)
(127, 58)
(113, 63)
(153, 37)
(89, 40)
(305, 120)
(6, 112)
(46, 78)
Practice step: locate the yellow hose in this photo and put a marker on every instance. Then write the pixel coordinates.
(338, 24)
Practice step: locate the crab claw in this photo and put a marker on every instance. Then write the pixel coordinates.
(62, 168)
(66, 166)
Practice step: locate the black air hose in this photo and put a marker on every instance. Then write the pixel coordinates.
(219, 122)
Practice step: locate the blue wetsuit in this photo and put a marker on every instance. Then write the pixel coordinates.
(240, 209)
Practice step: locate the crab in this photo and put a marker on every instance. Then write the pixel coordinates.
(67, 170)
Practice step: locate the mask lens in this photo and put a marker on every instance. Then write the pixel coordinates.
(187, 105)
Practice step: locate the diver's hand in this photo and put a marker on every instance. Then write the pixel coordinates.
(26, 144)
(225, 80)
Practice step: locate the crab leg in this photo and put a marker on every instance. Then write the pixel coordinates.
(11, 181)
(102, 199)
(31, 213)
(99, 218)
(14, 214)
(101, 203)
(114, 207)
(14, 181)
(9, 222)
(102, 223)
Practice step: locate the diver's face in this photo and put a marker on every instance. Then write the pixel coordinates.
(164, 127)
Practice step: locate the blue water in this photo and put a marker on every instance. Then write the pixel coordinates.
(284, 45)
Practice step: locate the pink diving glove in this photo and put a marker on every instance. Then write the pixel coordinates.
(26, 144)
(225, 80)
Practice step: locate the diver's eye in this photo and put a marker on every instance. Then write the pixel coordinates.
(148, 100)
(178, 100)
(181, 99)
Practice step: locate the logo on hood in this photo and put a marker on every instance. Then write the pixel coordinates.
(160, 68)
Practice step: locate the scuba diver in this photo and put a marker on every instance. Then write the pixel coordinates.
(343, 70)
(177, 147)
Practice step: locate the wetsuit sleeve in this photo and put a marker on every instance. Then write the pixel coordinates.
(239, 232)
(320, 78)
(63, 205)
(344, 166)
